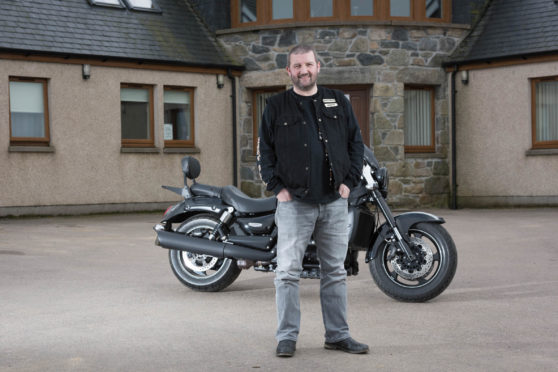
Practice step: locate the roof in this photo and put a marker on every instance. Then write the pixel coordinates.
(511, 28)
(77, 28)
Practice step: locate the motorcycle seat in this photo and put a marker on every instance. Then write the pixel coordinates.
(200, 189)
(245, 204)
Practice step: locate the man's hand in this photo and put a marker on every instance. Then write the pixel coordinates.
(284, 196)
(344, 191)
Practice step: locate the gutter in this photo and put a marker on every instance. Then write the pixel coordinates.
(234, 123)
(453, 92)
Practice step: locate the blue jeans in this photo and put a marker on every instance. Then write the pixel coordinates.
(297, 221)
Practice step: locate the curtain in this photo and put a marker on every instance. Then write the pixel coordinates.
(418, 118)
(547, 111)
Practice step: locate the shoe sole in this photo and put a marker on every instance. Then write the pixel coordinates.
(284, 355)
(333, 347)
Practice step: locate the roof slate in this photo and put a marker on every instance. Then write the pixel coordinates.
(75, 27)
(511, 28)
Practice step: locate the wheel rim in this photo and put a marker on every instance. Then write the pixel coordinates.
(201, 266)
(431, 257)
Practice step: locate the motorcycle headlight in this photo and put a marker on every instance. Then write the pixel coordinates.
(383, 180)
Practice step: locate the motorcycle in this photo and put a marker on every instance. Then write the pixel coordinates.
(221, 231)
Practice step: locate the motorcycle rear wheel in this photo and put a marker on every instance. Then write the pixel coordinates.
(421, 284)
(202, 273)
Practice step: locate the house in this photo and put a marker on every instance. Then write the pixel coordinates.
(386, 55)
(100, 99)
(506, 107)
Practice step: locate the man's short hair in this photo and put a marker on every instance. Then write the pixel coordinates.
(301, 49)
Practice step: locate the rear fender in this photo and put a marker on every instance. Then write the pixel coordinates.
(405, 222)
(189, 207)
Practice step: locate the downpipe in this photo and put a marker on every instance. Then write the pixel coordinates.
(181, 242)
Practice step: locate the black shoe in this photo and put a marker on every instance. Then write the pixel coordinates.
(347, 345)
(286, 348)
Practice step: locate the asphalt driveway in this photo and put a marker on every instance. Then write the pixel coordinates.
(93, 293)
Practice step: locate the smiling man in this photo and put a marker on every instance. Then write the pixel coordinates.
(310, 155)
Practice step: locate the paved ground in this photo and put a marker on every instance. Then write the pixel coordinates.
(94, 293)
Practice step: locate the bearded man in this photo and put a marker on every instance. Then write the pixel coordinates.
(310, 155)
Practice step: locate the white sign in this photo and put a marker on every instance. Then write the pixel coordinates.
(167, 132)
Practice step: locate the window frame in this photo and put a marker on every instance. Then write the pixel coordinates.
(534, 143)
(108, 5)
(182, 143)
(31, 141)
(140, 142)
(412, 149)
(255, 118)
(341, 12)
(155, 7)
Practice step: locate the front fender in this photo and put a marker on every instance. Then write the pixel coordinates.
(404, 222)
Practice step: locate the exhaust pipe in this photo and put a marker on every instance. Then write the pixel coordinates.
(171, 240)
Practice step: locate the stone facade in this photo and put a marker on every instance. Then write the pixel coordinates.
(382, 57)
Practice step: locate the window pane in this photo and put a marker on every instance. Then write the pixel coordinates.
(547, 111)
(434, 8)
(248, 11)
(321, 8)
(362, 7)
(134, 104)
(418, 118)
(27, 109)
(282, 9)
(400, 8)
(107, 2)
(147, 4)
(177, 115)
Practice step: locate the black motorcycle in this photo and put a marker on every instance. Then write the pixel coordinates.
(222, 231)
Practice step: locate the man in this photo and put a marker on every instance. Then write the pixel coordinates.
(310, 155)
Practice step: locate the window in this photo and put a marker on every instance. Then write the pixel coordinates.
(248, 11)
(266, 12)
(400, 8)
(282, 9)
(136, 103)
(142, 5)
(258, 105)
(179, 117)
(28, 111)
(321, 8)
(362, 8)
(544, 92)
(419, 119)
(146, 5)
(110, 3)
(434, 9)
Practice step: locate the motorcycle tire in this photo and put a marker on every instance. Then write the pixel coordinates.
(202, 273)
(417, 284)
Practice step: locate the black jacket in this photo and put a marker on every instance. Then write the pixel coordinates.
(283, 158)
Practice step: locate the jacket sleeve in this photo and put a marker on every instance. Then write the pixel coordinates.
(267, 159)
(355, 148)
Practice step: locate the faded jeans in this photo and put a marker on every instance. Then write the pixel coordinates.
(296, 222)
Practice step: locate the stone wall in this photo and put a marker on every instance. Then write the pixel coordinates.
(383, 57)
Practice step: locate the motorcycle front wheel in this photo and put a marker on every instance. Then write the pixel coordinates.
(200, 272)
(424, 278)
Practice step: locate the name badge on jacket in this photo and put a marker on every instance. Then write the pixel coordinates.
(330, 102)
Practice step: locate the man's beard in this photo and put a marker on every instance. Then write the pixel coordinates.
(297, 81)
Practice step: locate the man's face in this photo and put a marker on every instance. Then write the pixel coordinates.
(304, 70)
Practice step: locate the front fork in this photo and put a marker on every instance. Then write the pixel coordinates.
(400, 241)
